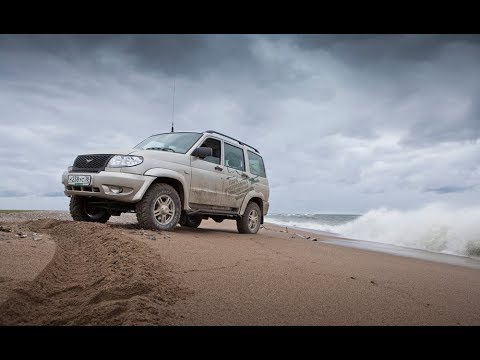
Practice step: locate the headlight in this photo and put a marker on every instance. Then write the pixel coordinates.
(124, 161)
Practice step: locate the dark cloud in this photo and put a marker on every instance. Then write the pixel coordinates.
(454, 117)
(184, 54)
(434, 129)
(60, 44)
(364, 49)
(175, 55)
(363, 119)
(191, 55)
(451, 189)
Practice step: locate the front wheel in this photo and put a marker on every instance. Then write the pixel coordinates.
(249, 222)
(82, 210)
(160, 208)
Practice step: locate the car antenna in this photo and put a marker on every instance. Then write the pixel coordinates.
(173, 105)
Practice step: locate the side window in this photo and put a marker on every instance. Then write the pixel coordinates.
(234, 157)
(256, 164)
(216, 147)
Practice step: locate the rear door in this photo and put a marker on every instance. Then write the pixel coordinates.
(258, 176)
(237, 181)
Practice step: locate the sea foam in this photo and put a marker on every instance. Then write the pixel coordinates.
(435, 227)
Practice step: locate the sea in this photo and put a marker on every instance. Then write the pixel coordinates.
(437, 232)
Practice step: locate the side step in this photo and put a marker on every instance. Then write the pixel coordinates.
(223, 213)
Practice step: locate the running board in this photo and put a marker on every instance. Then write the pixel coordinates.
(229, 214)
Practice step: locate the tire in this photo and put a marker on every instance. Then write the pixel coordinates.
(81, 211)
(160, 208)
(190, 221)
(249, 222)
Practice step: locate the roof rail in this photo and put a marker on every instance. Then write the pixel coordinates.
(240, 142)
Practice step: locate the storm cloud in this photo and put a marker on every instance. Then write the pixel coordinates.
(345, 123)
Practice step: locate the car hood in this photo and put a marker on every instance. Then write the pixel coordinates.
(159, 155)
(119, 151)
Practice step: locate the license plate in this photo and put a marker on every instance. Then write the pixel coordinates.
(79, 179)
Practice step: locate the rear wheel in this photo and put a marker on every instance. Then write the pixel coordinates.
(160, 208)
(249, 222)
(82, 210)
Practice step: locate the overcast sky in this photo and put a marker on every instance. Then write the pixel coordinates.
(345, 123)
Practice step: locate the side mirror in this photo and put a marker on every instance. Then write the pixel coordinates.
(202, 152)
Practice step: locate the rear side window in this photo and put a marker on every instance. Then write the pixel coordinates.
(256, 164)
(234, 157)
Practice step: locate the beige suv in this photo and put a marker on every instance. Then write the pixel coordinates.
(170, 178)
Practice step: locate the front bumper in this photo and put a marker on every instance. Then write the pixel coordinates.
(105, 185)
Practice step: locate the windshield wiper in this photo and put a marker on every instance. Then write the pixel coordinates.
(160, 148)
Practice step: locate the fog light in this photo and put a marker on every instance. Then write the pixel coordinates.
(116, 189)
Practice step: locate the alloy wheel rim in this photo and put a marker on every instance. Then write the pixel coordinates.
(164, 209)
(252, 219)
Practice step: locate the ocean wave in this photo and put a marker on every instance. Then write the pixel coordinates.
(435, 227)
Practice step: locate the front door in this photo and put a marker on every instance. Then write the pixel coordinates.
(206, 190)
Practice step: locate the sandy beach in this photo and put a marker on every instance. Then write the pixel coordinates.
(58, 272)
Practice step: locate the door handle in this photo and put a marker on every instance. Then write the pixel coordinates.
(218, 168)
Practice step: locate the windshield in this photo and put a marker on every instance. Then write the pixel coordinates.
(174, 142)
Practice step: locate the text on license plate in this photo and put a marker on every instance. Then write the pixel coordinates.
(79, 179)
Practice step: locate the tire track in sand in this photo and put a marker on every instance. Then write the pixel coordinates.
(97, 276)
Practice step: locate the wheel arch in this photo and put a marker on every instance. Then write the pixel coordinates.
(173, 179)
(176, 184)
(256, 198)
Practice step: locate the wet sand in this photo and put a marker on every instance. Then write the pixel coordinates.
(118, 274)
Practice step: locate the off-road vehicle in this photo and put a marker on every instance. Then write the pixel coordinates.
(170, 178)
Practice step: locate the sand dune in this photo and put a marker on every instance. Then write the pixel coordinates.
(97, 276)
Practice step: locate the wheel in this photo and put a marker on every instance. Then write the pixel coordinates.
(249, 222)
(190, 221)
(80, 210)
(160, 208)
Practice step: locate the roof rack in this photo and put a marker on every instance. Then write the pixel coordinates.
(240, 142)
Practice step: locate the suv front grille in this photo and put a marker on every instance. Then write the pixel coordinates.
(91, 163)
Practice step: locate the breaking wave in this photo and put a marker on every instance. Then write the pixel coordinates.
(436, 227)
